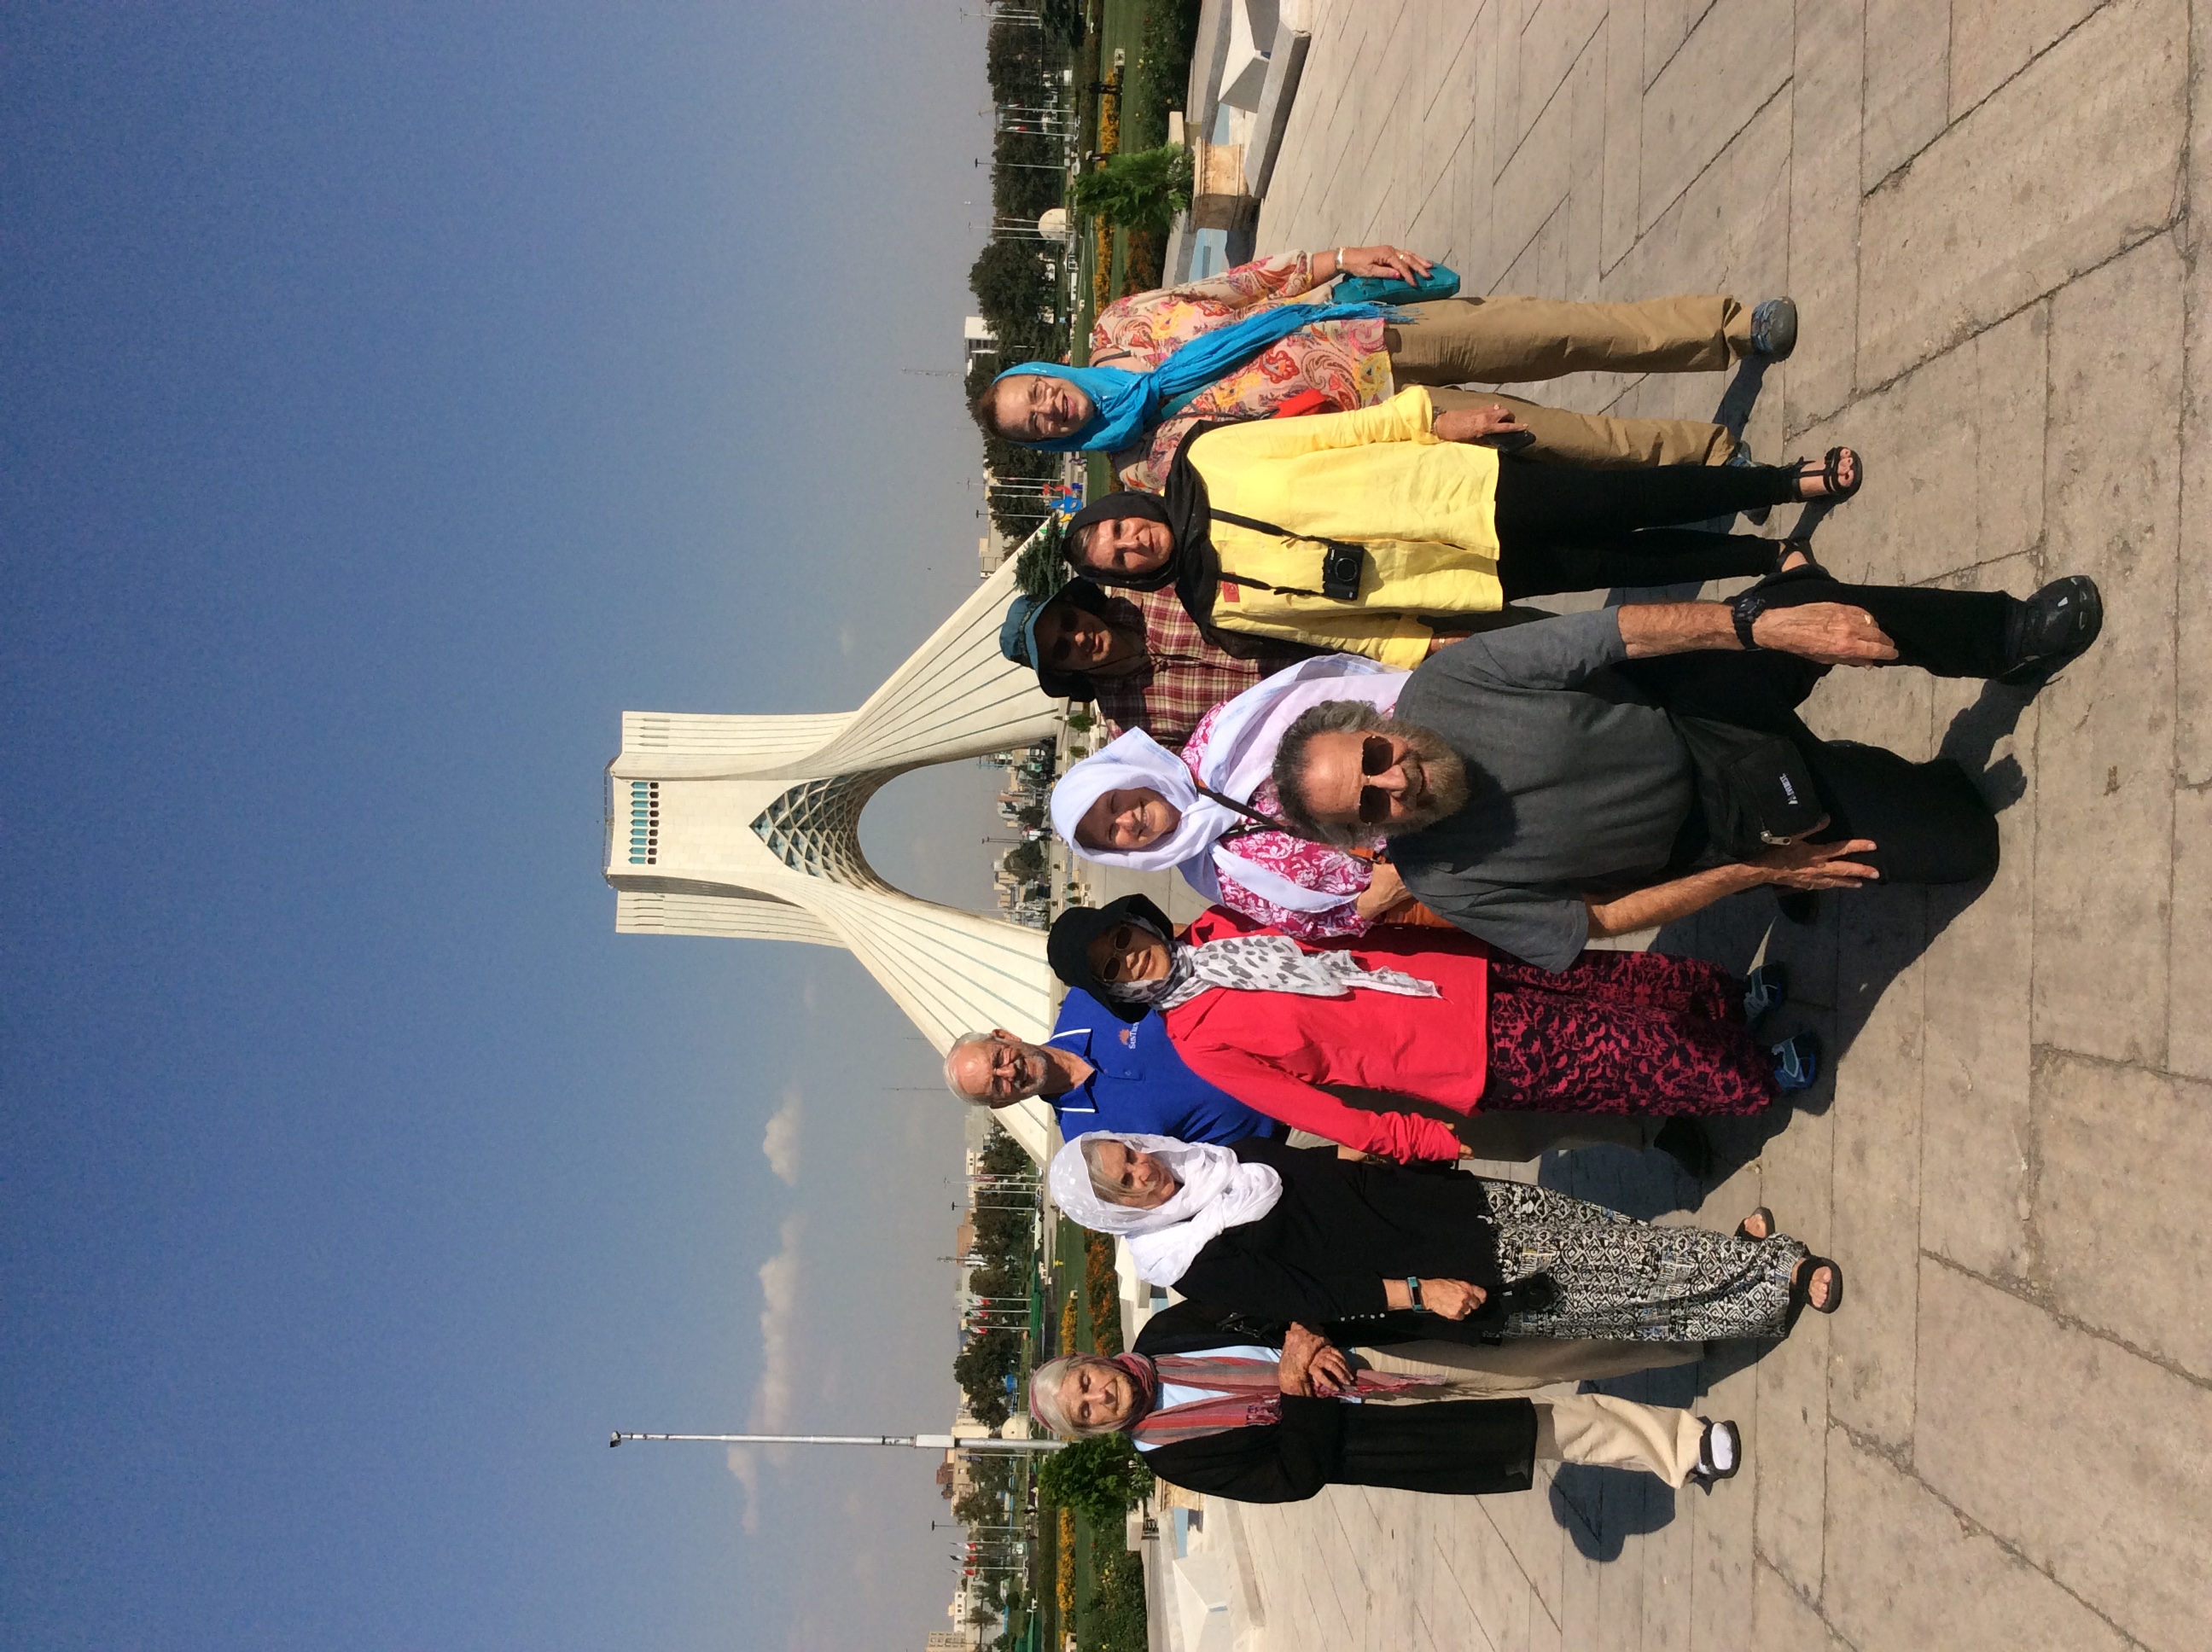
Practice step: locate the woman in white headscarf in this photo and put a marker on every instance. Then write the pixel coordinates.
(1137, 804)
(1300, 1235)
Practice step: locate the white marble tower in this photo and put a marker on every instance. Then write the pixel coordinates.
(749, 827)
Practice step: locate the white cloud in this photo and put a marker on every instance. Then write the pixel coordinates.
(780, 1144)
(771, 1408)
(779, 1321)
(847, 640)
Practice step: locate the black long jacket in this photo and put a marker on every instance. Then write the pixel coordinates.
(1469, 1448)
(1340, 1229)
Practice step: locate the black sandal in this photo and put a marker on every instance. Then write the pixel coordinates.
(1743, 1228)
(1832, 464)
(1800, 1287)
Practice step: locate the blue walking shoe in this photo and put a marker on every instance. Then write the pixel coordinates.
(1740, 457)
(1774, 329)
(1796, 1062)
(1764, 990)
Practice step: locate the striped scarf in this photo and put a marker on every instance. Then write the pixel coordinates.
(1247, 1393)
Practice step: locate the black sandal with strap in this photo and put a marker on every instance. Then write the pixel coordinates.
(1801, 1288)
(1832, 464)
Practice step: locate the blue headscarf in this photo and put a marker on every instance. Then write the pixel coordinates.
(1125, 404)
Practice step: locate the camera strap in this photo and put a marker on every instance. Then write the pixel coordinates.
(1340, 564)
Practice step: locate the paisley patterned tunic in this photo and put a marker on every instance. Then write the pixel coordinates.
(1343, 360)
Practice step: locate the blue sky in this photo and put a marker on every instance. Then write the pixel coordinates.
(392, 396)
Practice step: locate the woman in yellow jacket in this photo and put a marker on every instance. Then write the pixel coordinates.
(1363, 531)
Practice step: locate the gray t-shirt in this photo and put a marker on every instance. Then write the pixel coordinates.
(1575, 786)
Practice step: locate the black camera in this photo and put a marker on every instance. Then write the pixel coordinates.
(1341, 565)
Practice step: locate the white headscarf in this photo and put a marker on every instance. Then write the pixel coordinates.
(1218, 1192)
(1238, 755)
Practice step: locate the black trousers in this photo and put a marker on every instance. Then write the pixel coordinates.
(1561, 527)
(1931, 824)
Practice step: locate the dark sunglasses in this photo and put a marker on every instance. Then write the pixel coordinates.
(1375, 757)
(1117, 940)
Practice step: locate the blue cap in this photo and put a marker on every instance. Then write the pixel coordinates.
(1017, 635)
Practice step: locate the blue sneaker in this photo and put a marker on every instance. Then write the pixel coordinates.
(1764, 990)
(1796, 1062)
(1739, 458)
(1774, 329)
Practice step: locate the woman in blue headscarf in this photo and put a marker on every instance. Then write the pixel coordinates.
(1354, 360)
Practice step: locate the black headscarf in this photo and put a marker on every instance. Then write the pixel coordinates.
(1191, 568)
(1068, 946)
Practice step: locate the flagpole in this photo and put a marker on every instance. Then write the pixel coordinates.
(919, 1442)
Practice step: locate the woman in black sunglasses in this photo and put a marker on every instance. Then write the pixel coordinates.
(1430, 1020)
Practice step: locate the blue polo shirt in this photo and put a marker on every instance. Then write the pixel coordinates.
(1140, 1085)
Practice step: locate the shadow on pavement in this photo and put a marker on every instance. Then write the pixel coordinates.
(1600, 1509)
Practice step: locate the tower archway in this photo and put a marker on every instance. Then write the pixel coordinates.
(748, 827)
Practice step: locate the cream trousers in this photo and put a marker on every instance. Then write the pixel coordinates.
(1594, 1429)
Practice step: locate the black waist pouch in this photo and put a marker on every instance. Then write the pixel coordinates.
(1753, 789)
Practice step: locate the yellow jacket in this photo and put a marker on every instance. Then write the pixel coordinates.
(1422, 508)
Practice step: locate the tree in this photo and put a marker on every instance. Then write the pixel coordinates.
(1004, 1233)
(1002, 1156)
(1005, 1276)
(1139, 191)
(982, 1370)
(1040, 570)
(1024, 860)
(1014, 63)
(991, 1476)
(1097, 1478)
(1012, 289)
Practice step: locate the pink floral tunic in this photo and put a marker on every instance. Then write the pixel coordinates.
(1342, 360)
(1308, 865)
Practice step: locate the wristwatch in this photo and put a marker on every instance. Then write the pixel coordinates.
(1746, 609)
(1413, 1291)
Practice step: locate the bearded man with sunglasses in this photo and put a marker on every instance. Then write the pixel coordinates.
(1599, 773)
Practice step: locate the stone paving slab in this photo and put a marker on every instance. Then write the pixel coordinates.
(1982, 209)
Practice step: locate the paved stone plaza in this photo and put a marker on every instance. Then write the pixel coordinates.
(2004, 1439)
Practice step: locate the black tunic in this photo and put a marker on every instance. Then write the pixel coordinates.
(1339, 1229)
(1465, 1447)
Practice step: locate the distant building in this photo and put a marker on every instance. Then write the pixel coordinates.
(977, 338)
(951, 1640)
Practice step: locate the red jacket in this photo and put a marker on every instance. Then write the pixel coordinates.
(1273, 1050)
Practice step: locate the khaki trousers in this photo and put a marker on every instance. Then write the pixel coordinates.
(1525, 1365)
(1604, 1432)
(1505, 340)
(1598, 439)
(1595, 1429)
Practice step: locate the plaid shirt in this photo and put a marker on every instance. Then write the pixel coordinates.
(1185, 676)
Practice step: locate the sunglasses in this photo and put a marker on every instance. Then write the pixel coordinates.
(1108, 967)
(1059, 649)
(1375, 757)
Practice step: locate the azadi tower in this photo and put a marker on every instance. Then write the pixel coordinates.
(749, 827)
